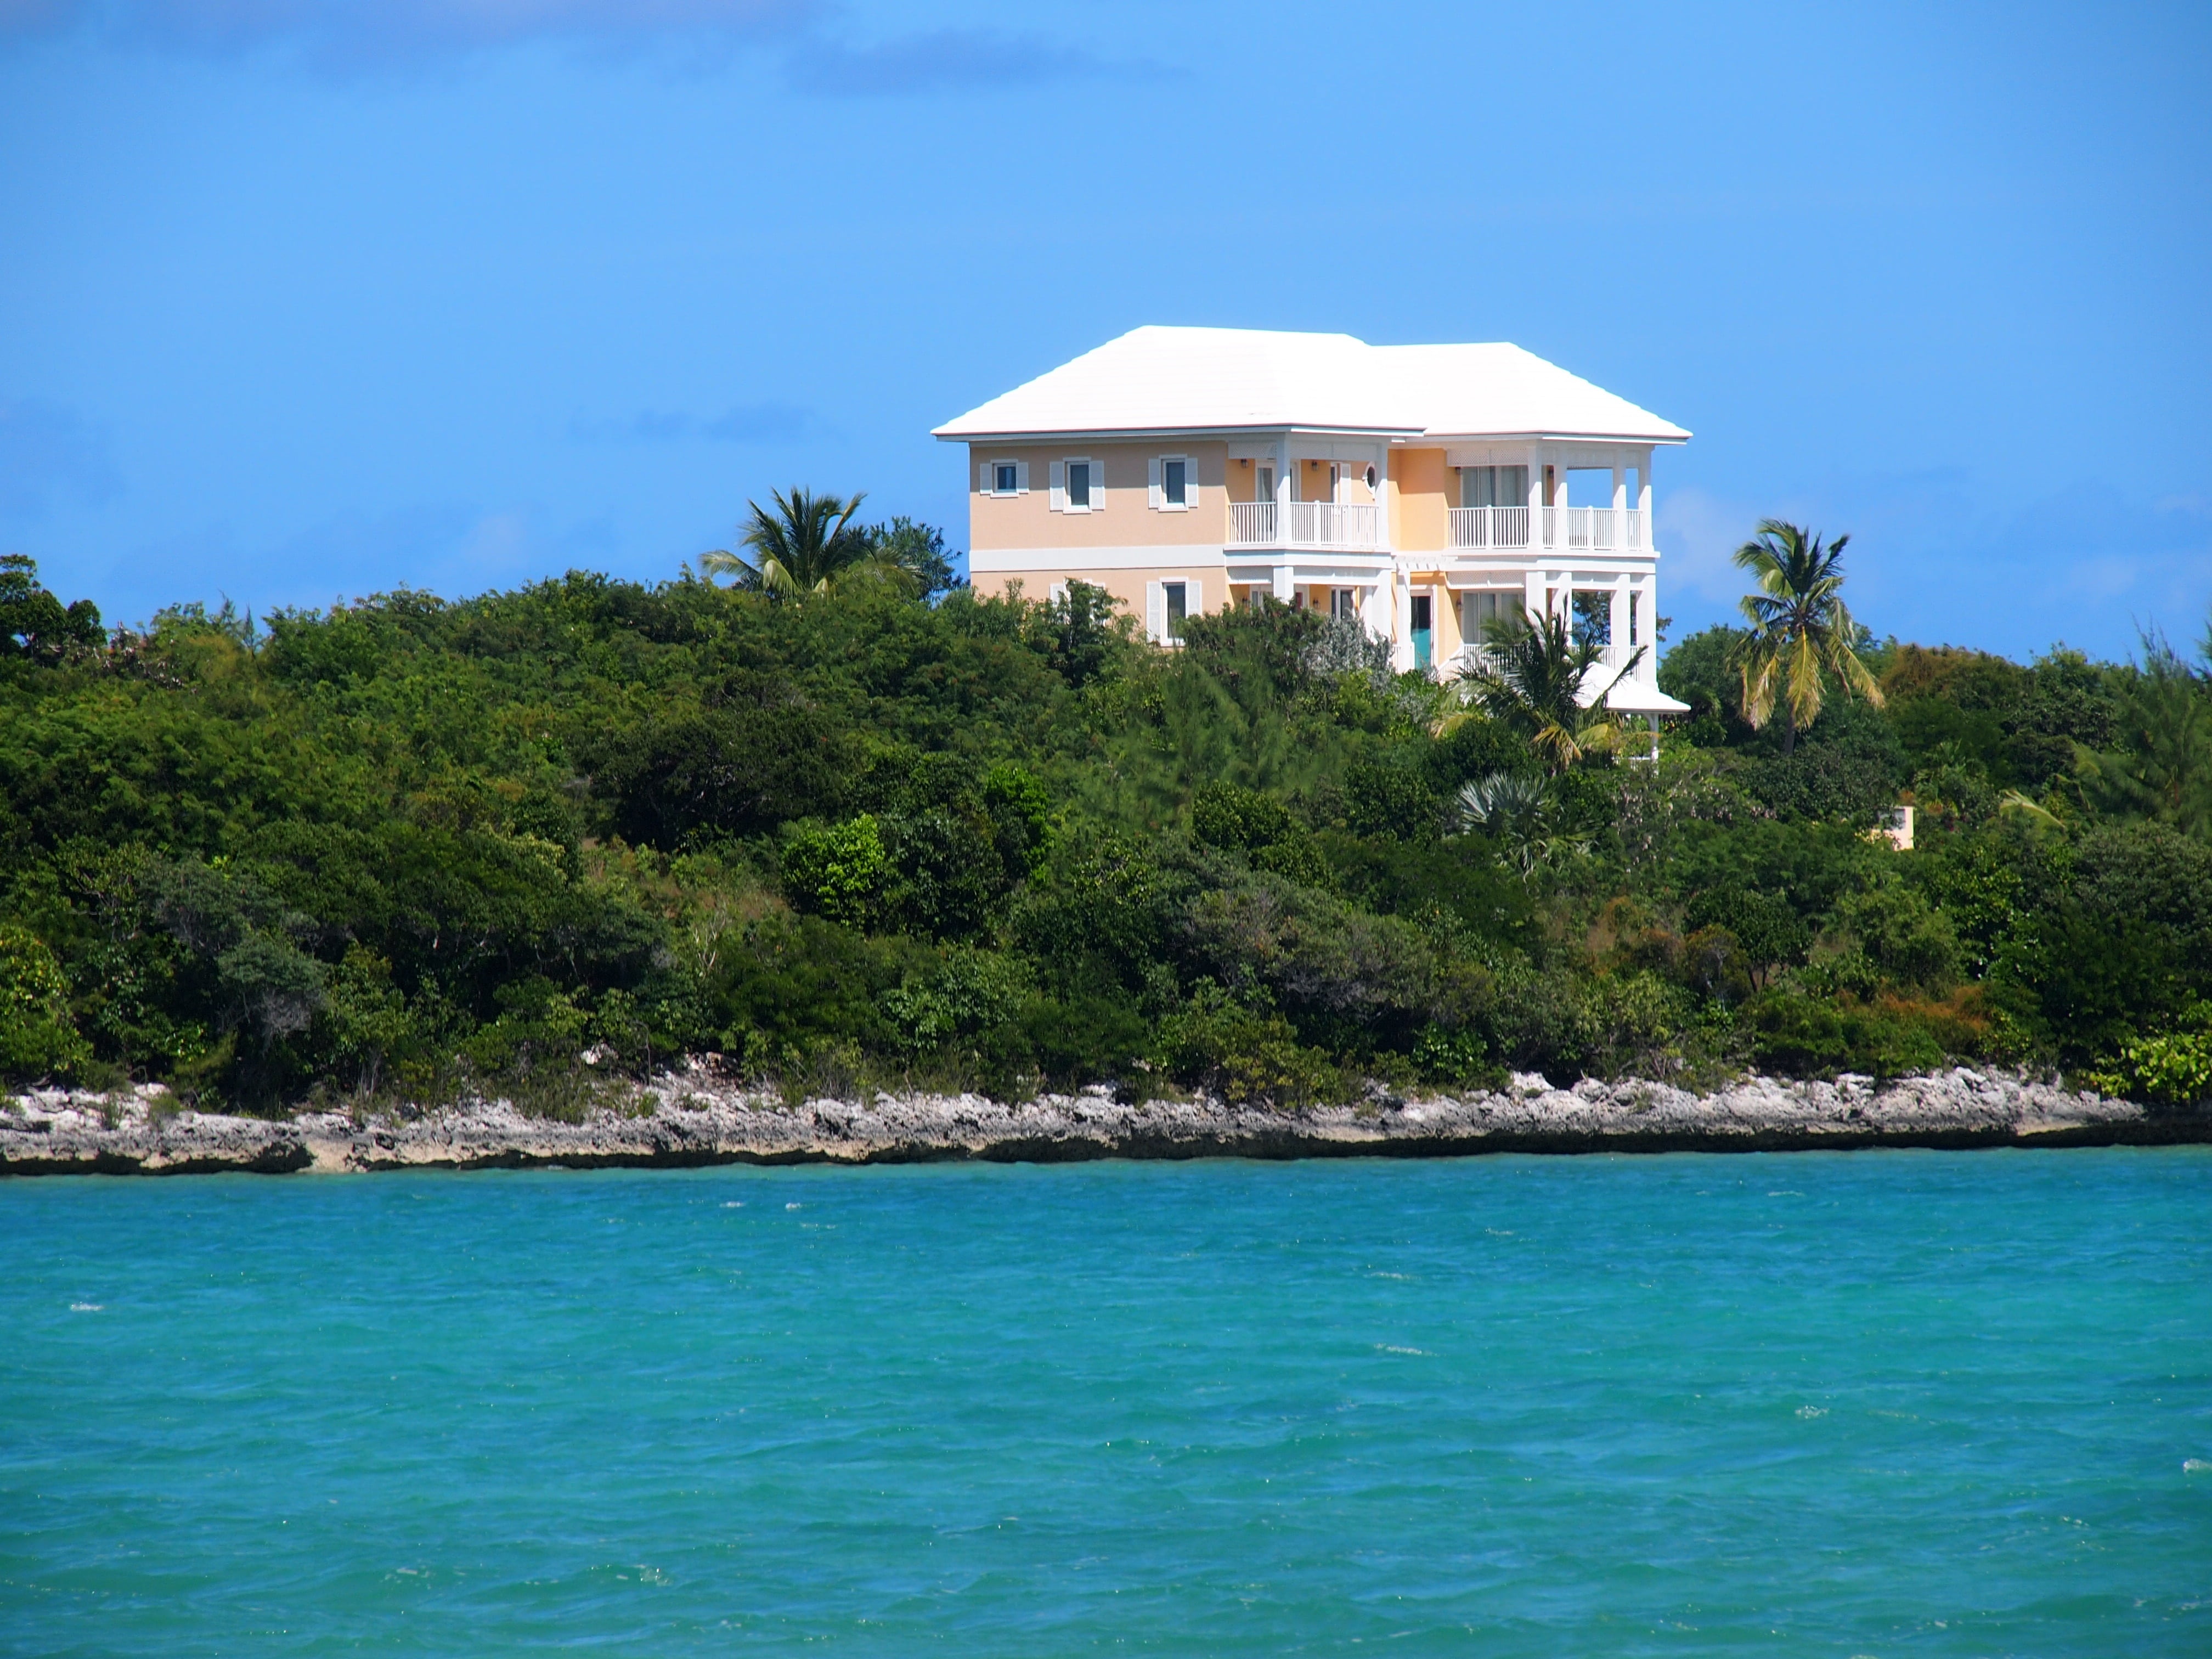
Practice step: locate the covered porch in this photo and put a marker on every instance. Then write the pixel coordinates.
(1449, 606)
(1304, 493)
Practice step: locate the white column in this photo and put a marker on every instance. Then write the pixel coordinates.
(1620, 504)
(1532, 597)
(1535, 498)
(1280, 584)
(1648, 670)
(1618, 616)
(1643, 501)
(1382, 494)
(1401, 617)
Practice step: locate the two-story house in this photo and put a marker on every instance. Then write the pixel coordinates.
(1421, 490)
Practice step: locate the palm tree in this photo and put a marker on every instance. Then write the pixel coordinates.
(1801, 630)
(805, 546)
(1520, 812)
(1532, 678)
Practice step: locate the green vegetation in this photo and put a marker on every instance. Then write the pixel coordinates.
(846, 829)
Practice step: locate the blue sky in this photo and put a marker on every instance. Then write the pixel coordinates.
(302, 300)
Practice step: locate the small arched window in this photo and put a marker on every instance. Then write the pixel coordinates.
(1370, 477)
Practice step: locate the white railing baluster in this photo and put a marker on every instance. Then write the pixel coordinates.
(1305, 524)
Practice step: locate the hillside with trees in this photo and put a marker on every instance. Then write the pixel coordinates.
(822, 812)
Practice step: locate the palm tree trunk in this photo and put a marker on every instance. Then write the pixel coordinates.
(1789, 728)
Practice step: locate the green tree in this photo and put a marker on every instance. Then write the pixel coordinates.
(837, 870)
(2162, 768)
(1802, 633)
(805, 546)
(35, 624)
(918, 549)
(36, 1038)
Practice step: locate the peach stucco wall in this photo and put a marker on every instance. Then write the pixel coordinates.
(1420, 517)
(1208, 588)
(1128, 520)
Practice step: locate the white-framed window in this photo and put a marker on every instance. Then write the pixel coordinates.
(1079, 485)
(1173, 483)
(1343, 604)
(1003, 477)
(1484, 606)
(1493, 486)
(1168, 603)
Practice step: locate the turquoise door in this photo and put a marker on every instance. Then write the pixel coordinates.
(1423, 633)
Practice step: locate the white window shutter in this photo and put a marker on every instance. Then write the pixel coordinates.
(1021, 478)
(1060, 486)
(1098, 484)
(1152, 483)
(984, 481)
(1156, 611)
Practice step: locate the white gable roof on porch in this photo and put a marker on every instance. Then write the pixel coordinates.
(1228, 379)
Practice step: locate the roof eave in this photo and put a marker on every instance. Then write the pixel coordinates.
(1678, 436)
(948, 435)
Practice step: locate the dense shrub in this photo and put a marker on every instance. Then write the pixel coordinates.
(410, 846)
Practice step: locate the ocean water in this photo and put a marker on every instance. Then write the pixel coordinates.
(1873, 1403)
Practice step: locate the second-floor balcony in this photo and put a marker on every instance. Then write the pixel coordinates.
(1561, 529)
(1360, 527)
(1357, 525)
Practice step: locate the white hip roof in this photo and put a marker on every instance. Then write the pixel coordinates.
(1240, 379)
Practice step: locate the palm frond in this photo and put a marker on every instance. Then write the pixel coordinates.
(1801, 631)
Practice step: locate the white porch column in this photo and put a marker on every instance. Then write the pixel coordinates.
(1619, 503)
(1382, 494)
(1643, 501)
(1535, 498)
(1279, 583)
(1401, 616)
(1648, 670)
(1617, 620)
(1533, 599)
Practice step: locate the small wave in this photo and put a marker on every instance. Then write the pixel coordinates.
(735, 1204)
(1809, 1413)
(2194, 1465)
(1385, 1347)
(790, 1206)
(86, 1307)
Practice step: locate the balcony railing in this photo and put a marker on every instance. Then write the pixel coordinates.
(1593, 529)
(1474, 529)
(1490, 526)
(1306, 524)
(1597, 529)
(1476, 657)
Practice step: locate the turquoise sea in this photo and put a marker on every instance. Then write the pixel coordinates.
(1878, 1403)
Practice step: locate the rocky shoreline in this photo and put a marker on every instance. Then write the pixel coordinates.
(691, 1118)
